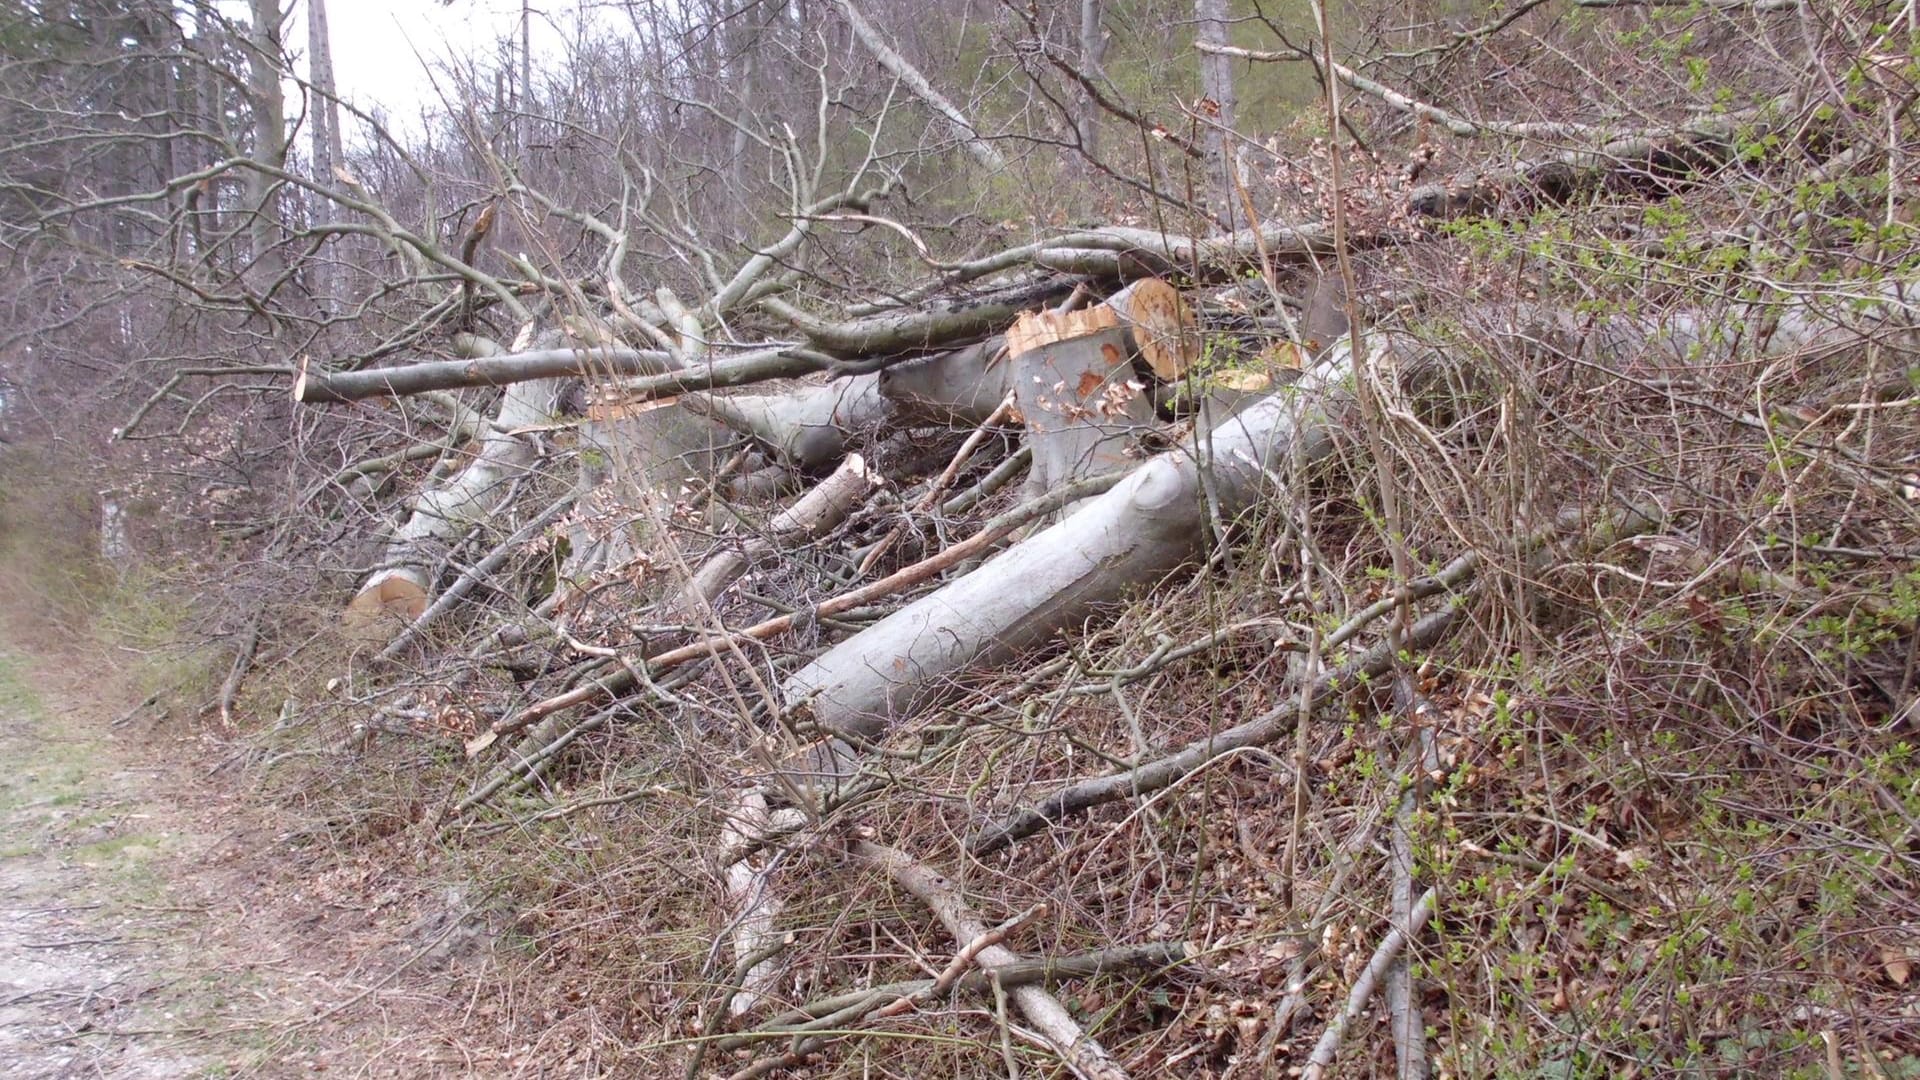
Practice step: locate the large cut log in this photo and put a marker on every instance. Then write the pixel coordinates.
(810, 425)
(1074, 388)
(629, 453)
(1160, 326)
(1149, 525)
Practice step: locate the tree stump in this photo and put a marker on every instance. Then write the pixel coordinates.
(1074, 387)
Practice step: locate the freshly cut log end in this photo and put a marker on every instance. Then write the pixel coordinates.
(383, 608)
(300, 380)
(1160, 326)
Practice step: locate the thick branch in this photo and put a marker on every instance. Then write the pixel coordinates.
(332, 387)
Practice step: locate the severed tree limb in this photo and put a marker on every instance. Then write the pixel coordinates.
(315, 387)
(756, 907)
(1390, 948)
(1045, 971)
(1403, 1002)
(1075, 1047)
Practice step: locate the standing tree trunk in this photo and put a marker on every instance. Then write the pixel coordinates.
(269, 134)
(1216, 85)
(1093, 49)
(327, 154)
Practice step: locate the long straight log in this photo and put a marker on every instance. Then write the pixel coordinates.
(315, 387)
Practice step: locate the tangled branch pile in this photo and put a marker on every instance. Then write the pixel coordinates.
(1437, 597)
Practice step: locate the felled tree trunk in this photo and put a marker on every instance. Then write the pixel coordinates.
(1161, 328)
(1149, 525)
(628, 452)
(960, 388)
(397, 594)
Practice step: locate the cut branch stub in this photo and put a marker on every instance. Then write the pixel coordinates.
(1160, 326)
(1074, 388)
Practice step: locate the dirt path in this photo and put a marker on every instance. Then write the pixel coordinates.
(154, 925)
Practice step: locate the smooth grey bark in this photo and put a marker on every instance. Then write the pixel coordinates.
(325, 113)
(1080, 411)
(335, 387)
(1093, 50)
(269, 131)
(1216, 84)
(960, 388)
(809, 426)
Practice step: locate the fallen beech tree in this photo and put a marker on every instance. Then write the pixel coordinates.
(1154, 522)
(809, 426)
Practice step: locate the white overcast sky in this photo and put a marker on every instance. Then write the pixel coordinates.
(382, 48)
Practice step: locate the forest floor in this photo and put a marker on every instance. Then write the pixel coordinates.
(159, 921)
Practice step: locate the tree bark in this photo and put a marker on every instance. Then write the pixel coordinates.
(1216, 85)
(960, 388)
(269, 133)
(1093, 50)
(396, 596)
(809, 426)
(325, 112)
(313, 387)
(1073, 385)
